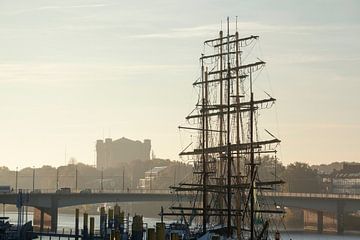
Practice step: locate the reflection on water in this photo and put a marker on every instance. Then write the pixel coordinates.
(67, 222)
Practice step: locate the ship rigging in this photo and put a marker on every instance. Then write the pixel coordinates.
(226, 187)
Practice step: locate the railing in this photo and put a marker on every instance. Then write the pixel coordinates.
(168, 191)
(312, 195)
(159, 191)
(89, 191)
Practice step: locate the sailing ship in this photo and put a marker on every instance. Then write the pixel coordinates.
(226, 189)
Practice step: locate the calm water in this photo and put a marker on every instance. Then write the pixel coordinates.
(67, 221)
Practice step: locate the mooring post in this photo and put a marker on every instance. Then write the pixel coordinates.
(76, 224)
(92, 227)
(85, 226)
(102, 222)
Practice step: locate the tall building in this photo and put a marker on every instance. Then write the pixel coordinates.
(110, 153)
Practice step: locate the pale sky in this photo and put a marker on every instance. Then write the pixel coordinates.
(72, 72)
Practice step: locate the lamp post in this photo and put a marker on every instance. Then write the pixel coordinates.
(33, 186)
(57, 178)
(76, 178)
(102, 178)
(275, 162)
(150, 178)
(123, 179)
(16, 179)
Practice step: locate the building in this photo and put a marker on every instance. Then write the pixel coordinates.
(343, 181)
(150, 177)
(111, 153)
(347, 180)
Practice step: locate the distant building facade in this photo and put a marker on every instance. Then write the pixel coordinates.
(151, 176)
(110, 153)
(343, 181)
(347, 180)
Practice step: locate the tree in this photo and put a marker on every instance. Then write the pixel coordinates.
(300, 177)
(270, 168)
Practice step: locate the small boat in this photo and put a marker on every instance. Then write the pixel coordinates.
(10, 231)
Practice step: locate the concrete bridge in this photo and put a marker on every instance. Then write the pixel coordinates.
(49, 202)
(59, 200)
(338, 204)
(315, 201)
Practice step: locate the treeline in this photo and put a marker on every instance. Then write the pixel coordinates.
(298, 177)
(81, 176)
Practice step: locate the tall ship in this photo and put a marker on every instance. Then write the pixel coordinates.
(226, 190)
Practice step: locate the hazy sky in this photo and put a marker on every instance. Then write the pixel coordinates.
(74, 71)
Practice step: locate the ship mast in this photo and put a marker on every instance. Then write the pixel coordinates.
(221, 128)
(228, 136)
(252, 163)
(204, 146)
(222, 142)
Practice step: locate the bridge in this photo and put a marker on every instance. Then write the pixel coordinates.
(338, 204)
(50, 202)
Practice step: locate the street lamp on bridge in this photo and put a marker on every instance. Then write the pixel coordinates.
(16, 179)
(33, 186)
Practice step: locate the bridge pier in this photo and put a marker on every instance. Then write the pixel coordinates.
(320, 221)
(42, 215)
(340, 217)
(54, 214)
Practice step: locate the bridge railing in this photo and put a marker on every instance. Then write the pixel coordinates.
(168, 191)
(158, 191)
(312, 195)
(128, 190)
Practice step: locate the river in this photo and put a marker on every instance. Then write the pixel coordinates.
(66, 222)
